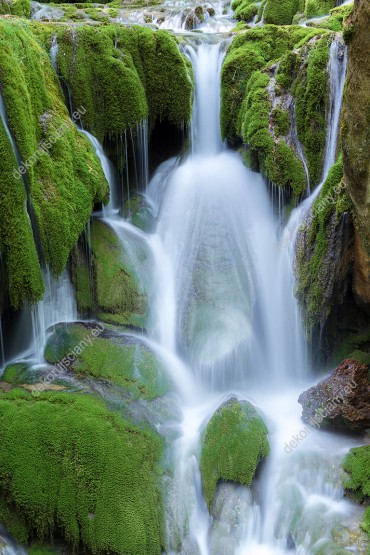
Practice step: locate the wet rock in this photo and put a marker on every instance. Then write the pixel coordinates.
(341, 400)
(95, 352)
(138, 212)
(234, 443)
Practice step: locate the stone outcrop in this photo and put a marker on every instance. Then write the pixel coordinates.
(341, 400)
(356, 140)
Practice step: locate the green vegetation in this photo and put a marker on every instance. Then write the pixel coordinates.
(123, 75)
(24, 279)
(355, 345)
(234, 442)
(111, 288)
(244, 10)
(64, 177)
(21, 8)
(357, 465)
(117, 76)
(280, 13)
(122, 360)
(281, 121)
(318, 7)
(298, 58)
(70, 468)
(310, 91)
(316, 244)
(338, 16)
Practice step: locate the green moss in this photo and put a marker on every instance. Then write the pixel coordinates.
(245, 10)
(116, 284)
(248, 52)
(318, 7)
(338, 16)
(280, 13)
(281, 121)
(65, 177)
(16, 373)
(314, 270)
(357, 465)
(310, 92)
(21, 8)
(234, 442)
(355, 345)
(23, 273)
(284, 168)
(71, 468)
(123, 75)
(122, 360)
(246, 111)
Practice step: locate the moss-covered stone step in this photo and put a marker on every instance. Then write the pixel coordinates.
(73, 470)
(120, 359)
(234, 443)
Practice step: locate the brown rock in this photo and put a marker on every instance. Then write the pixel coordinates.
(356, 140)
(341, 400)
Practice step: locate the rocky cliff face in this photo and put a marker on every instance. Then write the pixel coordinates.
(356, 142)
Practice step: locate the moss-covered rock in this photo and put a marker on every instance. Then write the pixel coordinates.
(23, 280)
(244, 10)
(322, 260)
(107, 283)
(64, 177)
(280, 13)
(119, 359)
(233, 444)
(21, 8)
(123, 75)
(310, 91)
(70, 468)
(269, 72)
(139, 213)
(357, 465)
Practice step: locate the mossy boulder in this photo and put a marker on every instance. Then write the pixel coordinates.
(123, 75)
(280, 13)
(93, 351)
(71, 469)
(21, 8)
(139, 213)
(268, 72)
(64, 177)
(357, 486)
(107, 283)
(233, 444)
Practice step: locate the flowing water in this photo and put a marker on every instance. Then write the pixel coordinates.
(224, 320)
(223, 312)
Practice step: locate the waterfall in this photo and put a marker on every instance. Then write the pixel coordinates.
(109, 173)
(58, 305)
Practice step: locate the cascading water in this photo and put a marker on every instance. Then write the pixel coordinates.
(58, 305)
(223, 314)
